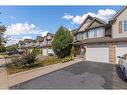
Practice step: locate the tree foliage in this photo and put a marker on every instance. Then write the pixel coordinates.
(2, 49)
(12, 48)
(62, 42)
(2, 31)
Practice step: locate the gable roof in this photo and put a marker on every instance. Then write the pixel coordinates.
(39, 38)
(50, 34)
(88, 17)
(89, 24)
(119, 12)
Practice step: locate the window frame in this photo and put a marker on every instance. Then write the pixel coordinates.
(123, 23)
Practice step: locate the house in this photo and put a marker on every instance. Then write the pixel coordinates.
(46, 45)
(104, 41)
(26, 45)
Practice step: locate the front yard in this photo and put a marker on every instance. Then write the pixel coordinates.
(12, 69)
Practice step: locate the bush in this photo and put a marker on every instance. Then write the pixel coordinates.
(49, 61)
(36, 51)
(12, 48)
(62, 42)
(2, 49)
(25, 60)
(67, 58)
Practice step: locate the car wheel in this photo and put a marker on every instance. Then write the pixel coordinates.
(124, 74)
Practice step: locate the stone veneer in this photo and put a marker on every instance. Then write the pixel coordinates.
(112, 53)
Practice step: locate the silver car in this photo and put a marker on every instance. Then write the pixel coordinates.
(123, 66)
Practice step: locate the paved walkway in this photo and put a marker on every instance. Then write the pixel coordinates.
(3, 74)
(2, 60)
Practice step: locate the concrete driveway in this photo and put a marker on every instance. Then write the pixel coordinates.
(83, 75)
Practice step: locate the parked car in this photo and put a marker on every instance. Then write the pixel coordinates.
(123, 66)
(12, 52)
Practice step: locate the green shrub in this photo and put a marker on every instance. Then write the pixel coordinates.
(25, 60)
(67, 58)
(36, 51)
(62, 42)
(2, 49)
(12, 48)
(49, 61)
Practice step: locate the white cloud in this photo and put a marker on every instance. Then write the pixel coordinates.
(66, 16)
(44, 33)
(20, 31)
(27, 37)
(22, 28)
(102, 14)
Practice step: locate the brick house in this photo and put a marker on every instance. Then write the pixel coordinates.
(104, 41)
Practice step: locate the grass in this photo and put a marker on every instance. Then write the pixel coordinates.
(12, 69)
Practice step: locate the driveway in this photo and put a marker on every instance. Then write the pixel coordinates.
(82, 75)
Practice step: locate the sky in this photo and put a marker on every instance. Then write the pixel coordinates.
(30, 21)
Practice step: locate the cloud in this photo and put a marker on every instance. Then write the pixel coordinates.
(27, 37)
(22, 28)
(102, 14)
(44, 33)
(66, 16)
(20, 31)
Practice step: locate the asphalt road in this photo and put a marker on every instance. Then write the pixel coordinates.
(83, 75)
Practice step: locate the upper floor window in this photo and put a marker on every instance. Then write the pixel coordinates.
(96, 32)
(125, 26)
(79, 36)
(84, 35)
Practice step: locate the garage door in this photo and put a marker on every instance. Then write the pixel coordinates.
(97, 54)
(44, 52)
(120, 51)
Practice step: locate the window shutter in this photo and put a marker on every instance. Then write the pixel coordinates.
(120, 26)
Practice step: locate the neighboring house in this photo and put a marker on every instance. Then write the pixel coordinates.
(44, 43)
(47, 44)
(26, 45)
(103, 41)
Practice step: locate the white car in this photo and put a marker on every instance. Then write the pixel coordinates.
(123, 66)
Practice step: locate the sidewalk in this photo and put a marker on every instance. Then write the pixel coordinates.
(2, 60)
(3, 74)
(28, 75)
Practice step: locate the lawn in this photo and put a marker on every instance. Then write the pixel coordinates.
(12, 69)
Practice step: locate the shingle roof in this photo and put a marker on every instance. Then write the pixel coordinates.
(84, 26)
(101, 40)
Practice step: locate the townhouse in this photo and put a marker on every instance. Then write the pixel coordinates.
(103, 41)
(26, 45)
(46, 45)
(43, 43)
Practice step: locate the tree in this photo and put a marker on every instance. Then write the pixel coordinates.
(12, 47)
(2, 31)
(62, 42)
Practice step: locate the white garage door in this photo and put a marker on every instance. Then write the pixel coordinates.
(97, 54)
(120, 51)
(44, 52)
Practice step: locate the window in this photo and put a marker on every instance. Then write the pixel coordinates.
(79, 36)
(125, 26)
(84, 35)
(97, 32)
